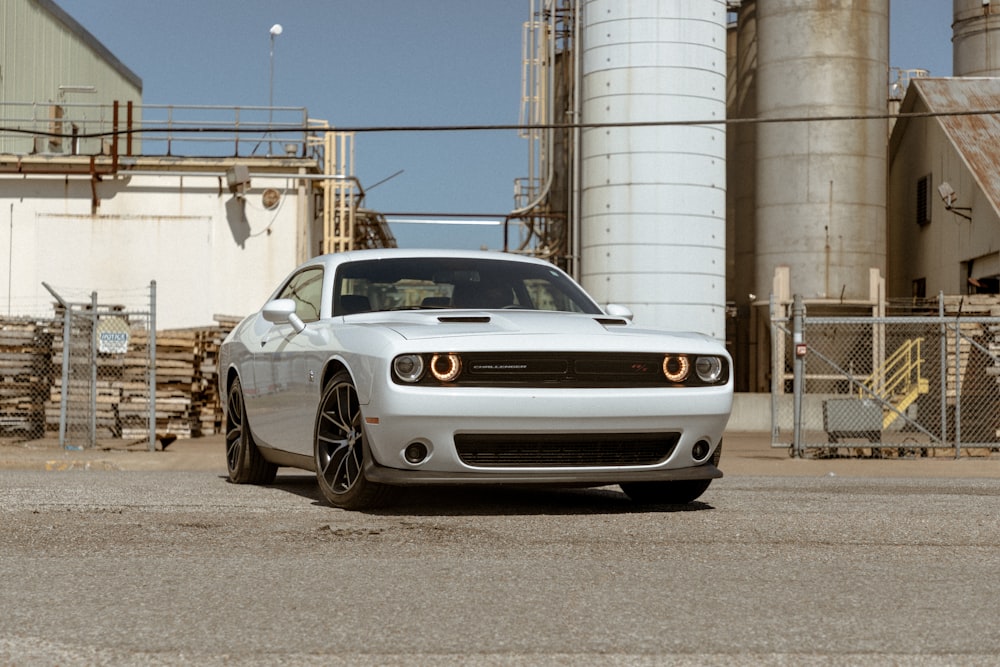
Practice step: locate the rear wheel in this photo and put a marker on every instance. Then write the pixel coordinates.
(666, 493)
(341, 451)
(244, 461)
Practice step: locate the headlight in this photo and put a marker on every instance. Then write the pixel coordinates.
(709, 369)
(408, 367)
(676, 367)
(446, 367)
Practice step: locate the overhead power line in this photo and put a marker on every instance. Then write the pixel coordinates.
(371, 129)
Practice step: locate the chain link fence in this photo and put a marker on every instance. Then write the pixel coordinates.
(902, 386)
(84, 375)
(96, 374)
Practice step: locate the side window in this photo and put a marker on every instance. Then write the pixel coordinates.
(306, 290)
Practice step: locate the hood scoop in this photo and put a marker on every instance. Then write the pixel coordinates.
(611, 321)
(465, 319)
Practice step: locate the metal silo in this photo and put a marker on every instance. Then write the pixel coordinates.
(976, 38)
(821, 185)
(652, 221)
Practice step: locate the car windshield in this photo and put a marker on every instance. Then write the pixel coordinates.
(444, 282)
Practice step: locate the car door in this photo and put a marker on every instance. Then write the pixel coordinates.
(287, 367)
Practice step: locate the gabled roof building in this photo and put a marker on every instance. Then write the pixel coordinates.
(944, 189)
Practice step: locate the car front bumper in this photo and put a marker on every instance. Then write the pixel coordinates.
(433, 417)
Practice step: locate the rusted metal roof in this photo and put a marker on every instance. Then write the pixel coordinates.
(976, 138)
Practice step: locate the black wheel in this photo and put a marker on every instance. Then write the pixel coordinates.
(245, 463)
(341, 451)
(666, 493)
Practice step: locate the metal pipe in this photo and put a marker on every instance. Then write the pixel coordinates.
(576, 197)
(547, 145)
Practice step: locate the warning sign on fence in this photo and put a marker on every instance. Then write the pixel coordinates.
(112, 335)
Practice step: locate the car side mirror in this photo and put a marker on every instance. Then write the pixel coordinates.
(618, 310)
(282, 311)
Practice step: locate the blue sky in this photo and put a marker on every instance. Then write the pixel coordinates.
(388, 63)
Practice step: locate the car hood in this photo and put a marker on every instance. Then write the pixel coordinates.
(547, 330)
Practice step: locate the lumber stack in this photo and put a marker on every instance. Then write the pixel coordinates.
(187, 399)
(25, 376)
(187, 402)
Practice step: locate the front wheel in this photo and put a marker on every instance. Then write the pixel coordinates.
(341, 452)
(666, 493)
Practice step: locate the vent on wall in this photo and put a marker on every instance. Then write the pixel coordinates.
(923, 201)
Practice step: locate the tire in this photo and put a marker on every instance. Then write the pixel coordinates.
(666, 493)
(341, 452)
(244, 461)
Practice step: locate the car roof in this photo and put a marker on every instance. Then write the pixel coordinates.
(335, 259)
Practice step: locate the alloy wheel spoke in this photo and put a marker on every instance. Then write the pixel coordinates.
(232, 444)
(333, 416)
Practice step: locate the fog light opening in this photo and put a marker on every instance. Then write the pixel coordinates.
(701, 450)
(415, 452)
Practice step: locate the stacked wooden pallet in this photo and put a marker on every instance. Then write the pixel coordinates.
(109, 387)
(25, 375)
(187, 403)
(187, 400)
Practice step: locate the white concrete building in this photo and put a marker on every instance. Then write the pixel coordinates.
(101, 193)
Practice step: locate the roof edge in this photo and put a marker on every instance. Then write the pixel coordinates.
(88, 38)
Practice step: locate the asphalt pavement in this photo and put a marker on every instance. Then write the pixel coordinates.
(744, 454)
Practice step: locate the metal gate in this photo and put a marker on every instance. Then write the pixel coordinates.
(885, 386)
(103, 375)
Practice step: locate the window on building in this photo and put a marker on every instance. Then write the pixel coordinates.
(919, 288)
(923, 200)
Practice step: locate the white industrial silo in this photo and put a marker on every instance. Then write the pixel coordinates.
(976, 38)
(820, 186)
(652, 218)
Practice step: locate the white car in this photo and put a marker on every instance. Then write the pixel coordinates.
(383, 368)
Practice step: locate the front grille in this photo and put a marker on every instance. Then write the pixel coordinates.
(564, 450)
(563, 369)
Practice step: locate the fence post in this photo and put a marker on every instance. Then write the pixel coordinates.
(944, 369)
(777, 367)
(152, 365)
(92, 431)
(64, 394)
(798, 372)
(958, 386)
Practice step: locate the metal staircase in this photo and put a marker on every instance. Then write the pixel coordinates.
(898, 381)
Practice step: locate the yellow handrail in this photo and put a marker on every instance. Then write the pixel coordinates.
(898, 374)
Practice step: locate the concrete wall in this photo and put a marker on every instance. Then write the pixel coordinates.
(209, 252)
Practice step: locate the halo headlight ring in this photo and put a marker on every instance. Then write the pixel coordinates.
(446, 367)
(676, 367)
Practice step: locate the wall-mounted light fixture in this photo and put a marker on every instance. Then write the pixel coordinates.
(948, 196)
(238, 180)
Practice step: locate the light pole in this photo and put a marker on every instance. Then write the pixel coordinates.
(274, 32)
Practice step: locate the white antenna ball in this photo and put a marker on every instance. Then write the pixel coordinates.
(276, 29)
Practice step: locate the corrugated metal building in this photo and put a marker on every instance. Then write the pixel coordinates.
(48, 64)
(944, 190)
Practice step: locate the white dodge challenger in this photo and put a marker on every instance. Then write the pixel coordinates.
(383, 368)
